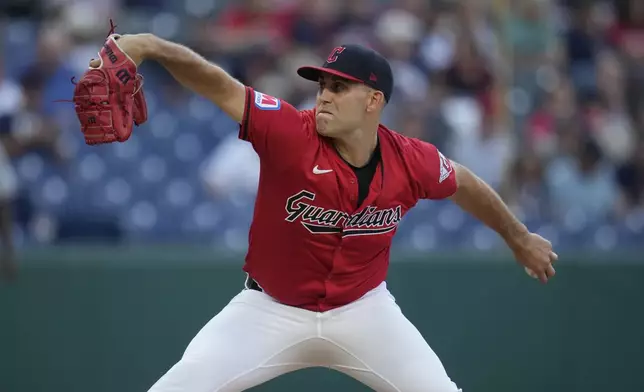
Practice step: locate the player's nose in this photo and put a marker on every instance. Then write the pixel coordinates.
(325, 95)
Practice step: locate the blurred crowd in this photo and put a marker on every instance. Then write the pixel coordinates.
(541, 98)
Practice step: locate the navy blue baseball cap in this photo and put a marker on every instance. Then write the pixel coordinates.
(356, 63)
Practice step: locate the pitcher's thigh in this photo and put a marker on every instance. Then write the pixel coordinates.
(241, 347)
(385, 351)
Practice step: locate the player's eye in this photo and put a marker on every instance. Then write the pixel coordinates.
(338, 87)
(334, 87)
(321, 87)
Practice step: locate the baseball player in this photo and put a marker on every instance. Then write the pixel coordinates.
(334, 185)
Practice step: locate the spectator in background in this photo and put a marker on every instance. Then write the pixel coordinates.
(627, 36)
(469, 74)
(436, 128)
(630, 177)
(399, 32)
(314, 20)
(246, 32)
(246, 25)
(581, 43)
(8, 192)
(357, 23)
(581, 183)
(28, 127)
(530, 40)
(413, 124)
(484, 145)
(474, 17)
(607, 115)
(10, 99)
(507, 87)
(51, 69)
(23, 128)
(437, 46)
(10, 95)
(525, 189)
(232, 170)
(555, 109)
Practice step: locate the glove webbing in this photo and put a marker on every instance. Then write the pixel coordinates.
(90, 104)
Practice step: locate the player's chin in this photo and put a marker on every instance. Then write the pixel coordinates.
(324, 132)
(323, 128)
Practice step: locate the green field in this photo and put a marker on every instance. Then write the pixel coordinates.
(104, 320)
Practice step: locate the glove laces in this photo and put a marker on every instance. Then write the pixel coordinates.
(84, 103)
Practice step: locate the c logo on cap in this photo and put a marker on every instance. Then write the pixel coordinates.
(333, 57)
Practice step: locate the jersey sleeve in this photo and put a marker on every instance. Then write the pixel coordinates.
(433, 173)
(274, 127)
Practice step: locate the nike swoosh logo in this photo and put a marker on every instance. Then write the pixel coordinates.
(317, 170)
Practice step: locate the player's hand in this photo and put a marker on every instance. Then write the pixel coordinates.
(134, 45)
(536, 255)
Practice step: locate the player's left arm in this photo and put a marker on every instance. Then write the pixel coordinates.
(480, 200)
(440, 178)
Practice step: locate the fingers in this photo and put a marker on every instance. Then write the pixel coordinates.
(553, 257)
(550, 271)
(95, 63)
(530, 273)
(544, 274)
(541, 275)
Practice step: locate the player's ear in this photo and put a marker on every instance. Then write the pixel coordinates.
(375, 100)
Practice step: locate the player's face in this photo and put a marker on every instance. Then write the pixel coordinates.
(341, 105)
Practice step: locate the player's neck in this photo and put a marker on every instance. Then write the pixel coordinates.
(358, 146)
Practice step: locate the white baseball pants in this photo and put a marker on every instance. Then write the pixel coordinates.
(254, 339)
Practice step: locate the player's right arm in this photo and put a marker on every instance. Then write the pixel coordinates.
(273, 127)
(190, 69)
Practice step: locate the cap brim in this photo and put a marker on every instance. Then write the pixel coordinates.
(313, 73)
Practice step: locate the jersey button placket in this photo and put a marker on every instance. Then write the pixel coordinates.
(352, 192)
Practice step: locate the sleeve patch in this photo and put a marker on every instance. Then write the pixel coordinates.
(445, 167)
(266, 102)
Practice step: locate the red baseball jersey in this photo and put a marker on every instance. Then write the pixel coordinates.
(310, 244)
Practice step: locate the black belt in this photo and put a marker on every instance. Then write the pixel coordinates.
(251, 284)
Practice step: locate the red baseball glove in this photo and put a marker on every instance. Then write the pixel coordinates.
(109, 99)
